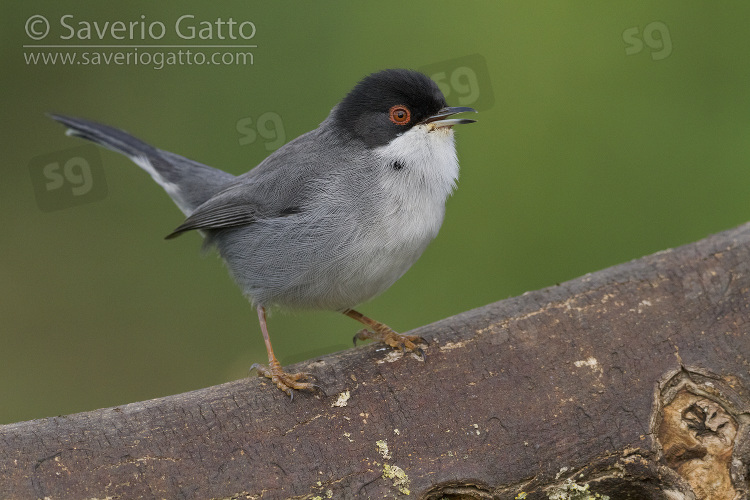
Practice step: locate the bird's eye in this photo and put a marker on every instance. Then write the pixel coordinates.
(399, 114)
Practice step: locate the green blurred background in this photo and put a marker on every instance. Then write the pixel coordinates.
(607, 132)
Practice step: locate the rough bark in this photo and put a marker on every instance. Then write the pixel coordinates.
(632, 382)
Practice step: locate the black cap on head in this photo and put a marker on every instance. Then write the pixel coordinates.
(386, 104)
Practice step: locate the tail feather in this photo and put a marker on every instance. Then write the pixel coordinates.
(187, 182)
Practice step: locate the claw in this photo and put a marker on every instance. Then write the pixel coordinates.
(311, 386)
(287, 382)
(420, 352)
(402, 342)
(386, 335)
(316, 386)
(363, 334)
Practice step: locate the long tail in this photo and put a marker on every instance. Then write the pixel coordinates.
(187, 182)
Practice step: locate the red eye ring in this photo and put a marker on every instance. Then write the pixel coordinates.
(399, 114)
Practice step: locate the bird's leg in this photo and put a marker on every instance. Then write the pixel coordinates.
(385, 334)
(283, 380)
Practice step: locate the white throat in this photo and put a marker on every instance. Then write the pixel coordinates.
(415, 193)
(428, 157)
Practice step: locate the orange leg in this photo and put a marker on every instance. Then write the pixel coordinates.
(283, 380)
(385, 334)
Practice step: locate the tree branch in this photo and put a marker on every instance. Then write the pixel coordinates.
(631, 381)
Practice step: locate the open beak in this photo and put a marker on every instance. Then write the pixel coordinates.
(440, 119)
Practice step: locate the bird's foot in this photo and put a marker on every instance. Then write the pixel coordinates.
(287, 382)
(393, 339)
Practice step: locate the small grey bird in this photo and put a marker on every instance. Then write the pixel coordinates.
(329, 220)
